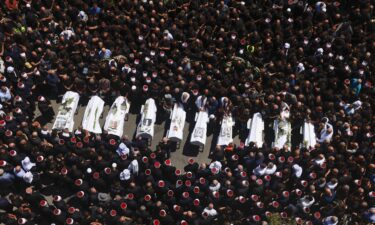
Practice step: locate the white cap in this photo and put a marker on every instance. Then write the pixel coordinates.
(88, 170)
(125, 174)
(297, 170)
(28, 177)
(27, 164)
(286, 45)
(10, 69)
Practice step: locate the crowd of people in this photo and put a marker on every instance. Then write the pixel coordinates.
(237, 57)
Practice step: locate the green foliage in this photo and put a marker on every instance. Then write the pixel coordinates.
(275, 219)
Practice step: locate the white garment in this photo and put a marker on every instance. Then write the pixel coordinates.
(350, 109)
(210, 212)
(215, 187)
(331, 185)
(259, 171)
(67, 34)
(270, 171)
(19, 174)
(319, 162)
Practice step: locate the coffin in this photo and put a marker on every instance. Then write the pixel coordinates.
(145, 128)
(199, 134)
(308, 134)
(283, 133)
(67, 109)
(114, 123)
(226, 131)
(256, 129)
(92, 114)
(176, 129)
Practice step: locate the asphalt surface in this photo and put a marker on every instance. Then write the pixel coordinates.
(179, 157)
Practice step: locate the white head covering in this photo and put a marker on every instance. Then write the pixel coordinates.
(185, 97)
(28, 177)
(258, 171)
(27, 164)
(300, 67)
(331, 185)
(10, 69)
(304, 202)
(297, 170)
(270, 171)
(330, 220)
(216, 165)
(133, 167)
(324, 135)
(125, 174)
(122, 150)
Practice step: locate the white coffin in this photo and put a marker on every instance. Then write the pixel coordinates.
(199, 135)
(309, 136)
(226, 131)
(283, 133)
(67, 109)
(176, 129)
(256, 126)
(92, 114)
(114, 123)
(145, 126)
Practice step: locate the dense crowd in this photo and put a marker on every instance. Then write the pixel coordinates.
(239, 57)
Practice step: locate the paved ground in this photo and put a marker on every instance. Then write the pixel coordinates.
(179, 157)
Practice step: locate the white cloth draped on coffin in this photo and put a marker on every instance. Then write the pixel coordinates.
(114, 123)
(256, 126)
(176, 129)
(199, 135)
(67, 109)
(92, 114)
(283, 132)
(145, 126)
(309, 136)
(226, 131)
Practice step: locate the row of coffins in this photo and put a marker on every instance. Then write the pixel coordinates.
(115, 120)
